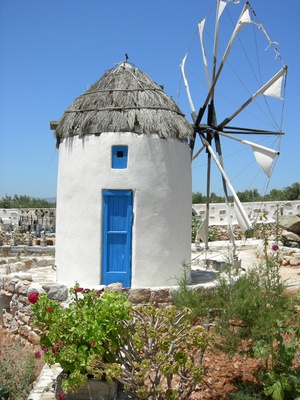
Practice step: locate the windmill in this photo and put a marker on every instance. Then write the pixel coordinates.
(209, 130)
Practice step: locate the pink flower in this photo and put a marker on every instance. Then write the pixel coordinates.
(274, 247)
(33, 297)
(54, 350)
(37, 355)
(86, 290)
(49, 309)
(58, 344)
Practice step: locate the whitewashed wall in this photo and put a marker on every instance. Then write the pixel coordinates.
(219, 212)
(9, 218)
(158, 173)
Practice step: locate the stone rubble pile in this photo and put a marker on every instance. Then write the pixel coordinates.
(289, 241)
(222, 233)
(9, 265)
(290, 235)
(16, 238)
(290, 257)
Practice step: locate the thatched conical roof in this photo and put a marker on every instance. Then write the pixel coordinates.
(124, 100)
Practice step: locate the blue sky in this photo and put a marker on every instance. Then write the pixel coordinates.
(52, 51)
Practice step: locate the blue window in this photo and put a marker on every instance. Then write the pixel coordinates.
(119, 157)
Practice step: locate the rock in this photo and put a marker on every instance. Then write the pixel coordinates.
(114, 286)
(18, 266)
(33, 338)
(57, 292)
(24, 318)
(23, 276)
(39, 263)
(290, 223)
(294, 262)
(160, 296)
(27, 262)
(22, 286)
(24, 331)
(9, 283)
(290, 236)
(290, 239)
(139, 296)
(35, 287)
(6, 298)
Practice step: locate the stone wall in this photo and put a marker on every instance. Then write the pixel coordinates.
(221, 232)
(219, 212)
(18, 317)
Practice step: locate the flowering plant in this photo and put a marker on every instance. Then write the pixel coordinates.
(86, 328)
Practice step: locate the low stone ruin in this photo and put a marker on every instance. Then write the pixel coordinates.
(290, 236)
(16, 238)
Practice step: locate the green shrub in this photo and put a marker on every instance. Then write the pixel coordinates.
(254, 306)
(86, 328)
(159, 358)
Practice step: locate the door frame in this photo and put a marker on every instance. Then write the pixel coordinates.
(124, 257)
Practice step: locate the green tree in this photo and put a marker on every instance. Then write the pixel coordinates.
(274, 195)
(24, 201)
(214, 198)
(292, 192)
(198, 198)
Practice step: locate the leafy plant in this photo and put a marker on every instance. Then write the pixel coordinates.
(159, 358)
(254, 306)
(18, 369)
(247, 392)
(280, 377)
(281, 380)
(86, 328)
(151, 351)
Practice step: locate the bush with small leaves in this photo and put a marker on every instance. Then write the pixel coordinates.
(160, 355)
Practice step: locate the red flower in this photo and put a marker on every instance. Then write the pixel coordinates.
(86, 290)
(33, 297)
(58, 344)
(100, 292)
(54, 350)
(78, 289)
(61, 396)
(45, 349)
(49, 309)
(37, 355)
(93, 343)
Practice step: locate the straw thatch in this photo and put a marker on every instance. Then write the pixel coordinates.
(123, 100)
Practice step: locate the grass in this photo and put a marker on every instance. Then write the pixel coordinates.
(18, 367)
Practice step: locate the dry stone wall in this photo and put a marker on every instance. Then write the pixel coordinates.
(15, 287)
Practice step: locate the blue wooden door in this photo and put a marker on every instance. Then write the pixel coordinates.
(117, 237)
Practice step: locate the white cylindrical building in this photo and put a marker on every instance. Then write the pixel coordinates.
(124, 185)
